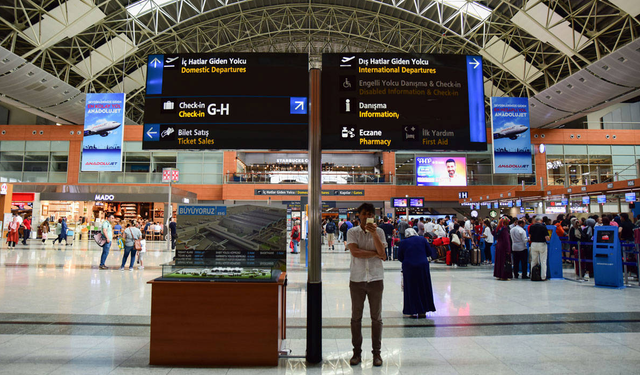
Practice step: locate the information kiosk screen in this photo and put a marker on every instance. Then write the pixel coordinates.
(227, 101)
(605, 236)
(394, 101)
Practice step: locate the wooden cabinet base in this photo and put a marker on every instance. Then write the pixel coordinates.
(217, 324)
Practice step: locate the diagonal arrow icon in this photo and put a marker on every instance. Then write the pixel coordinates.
(300, 105)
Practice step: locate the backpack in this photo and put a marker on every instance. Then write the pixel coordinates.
(295, 234)
(344, 227)
(331, 227)
(536, 273)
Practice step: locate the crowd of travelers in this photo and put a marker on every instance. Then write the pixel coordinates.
(129, 235)
(509, 243)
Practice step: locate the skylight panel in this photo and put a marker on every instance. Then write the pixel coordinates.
(143, 7)
(470, 8)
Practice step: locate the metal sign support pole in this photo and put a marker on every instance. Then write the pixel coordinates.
(170, 208)
(314, 278)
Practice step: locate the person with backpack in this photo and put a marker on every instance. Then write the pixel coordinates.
(330, 228)
(295, 237)
(131, 235)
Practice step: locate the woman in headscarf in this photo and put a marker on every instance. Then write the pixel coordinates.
(503, 250)
(13, 236)
(414, 253)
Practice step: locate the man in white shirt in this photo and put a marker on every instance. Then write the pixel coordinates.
(428, 227)
(519, 252)
(367, 244)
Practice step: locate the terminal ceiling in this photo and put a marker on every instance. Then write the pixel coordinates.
(530, 47)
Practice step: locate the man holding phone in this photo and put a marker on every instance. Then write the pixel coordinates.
(366, 243)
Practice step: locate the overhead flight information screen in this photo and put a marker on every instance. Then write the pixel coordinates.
(383, 101)
(227, 101)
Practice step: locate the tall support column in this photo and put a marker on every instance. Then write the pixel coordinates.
(314, 278)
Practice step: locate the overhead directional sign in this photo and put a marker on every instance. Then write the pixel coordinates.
(227, 101)
(386, 101)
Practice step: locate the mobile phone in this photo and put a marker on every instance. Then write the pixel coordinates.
(369, 220)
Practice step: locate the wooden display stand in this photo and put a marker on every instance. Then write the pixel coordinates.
(217, 323)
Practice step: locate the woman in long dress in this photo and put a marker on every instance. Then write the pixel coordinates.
(414, 252)
(12, 235)
(503, 249)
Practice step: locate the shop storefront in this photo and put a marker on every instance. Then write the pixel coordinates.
(84, 204)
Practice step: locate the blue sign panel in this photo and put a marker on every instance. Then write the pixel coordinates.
(151, 132)
(103, 133)
(202, 210)
(511, 135)
(586, 200)
(477, 127)
(155, 67)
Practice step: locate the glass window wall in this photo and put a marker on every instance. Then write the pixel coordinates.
(34, 161)
(581, 164)
(145, 167)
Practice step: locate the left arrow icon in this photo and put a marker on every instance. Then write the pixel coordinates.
(150, 133)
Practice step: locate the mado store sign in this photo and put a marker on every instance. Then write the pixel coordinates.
(104, 197)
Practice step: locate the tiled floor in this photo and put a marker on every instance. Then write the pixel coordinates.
(59, 314)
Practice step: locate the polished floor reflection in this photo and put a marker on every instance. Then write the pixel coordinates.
(60, 314)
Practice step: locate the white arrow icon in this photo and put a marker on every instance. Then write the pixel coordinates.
(155, 62)
(300, 105)
(150, 133)
(475, 63)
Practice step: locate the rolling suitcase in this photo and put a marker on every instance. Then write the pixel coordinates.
(463, 258)
(476, 256)
(448, 257)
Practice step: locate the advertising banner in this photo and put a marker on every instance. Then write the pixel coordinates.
(441, 171)
(103, 133)
(511, 135)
